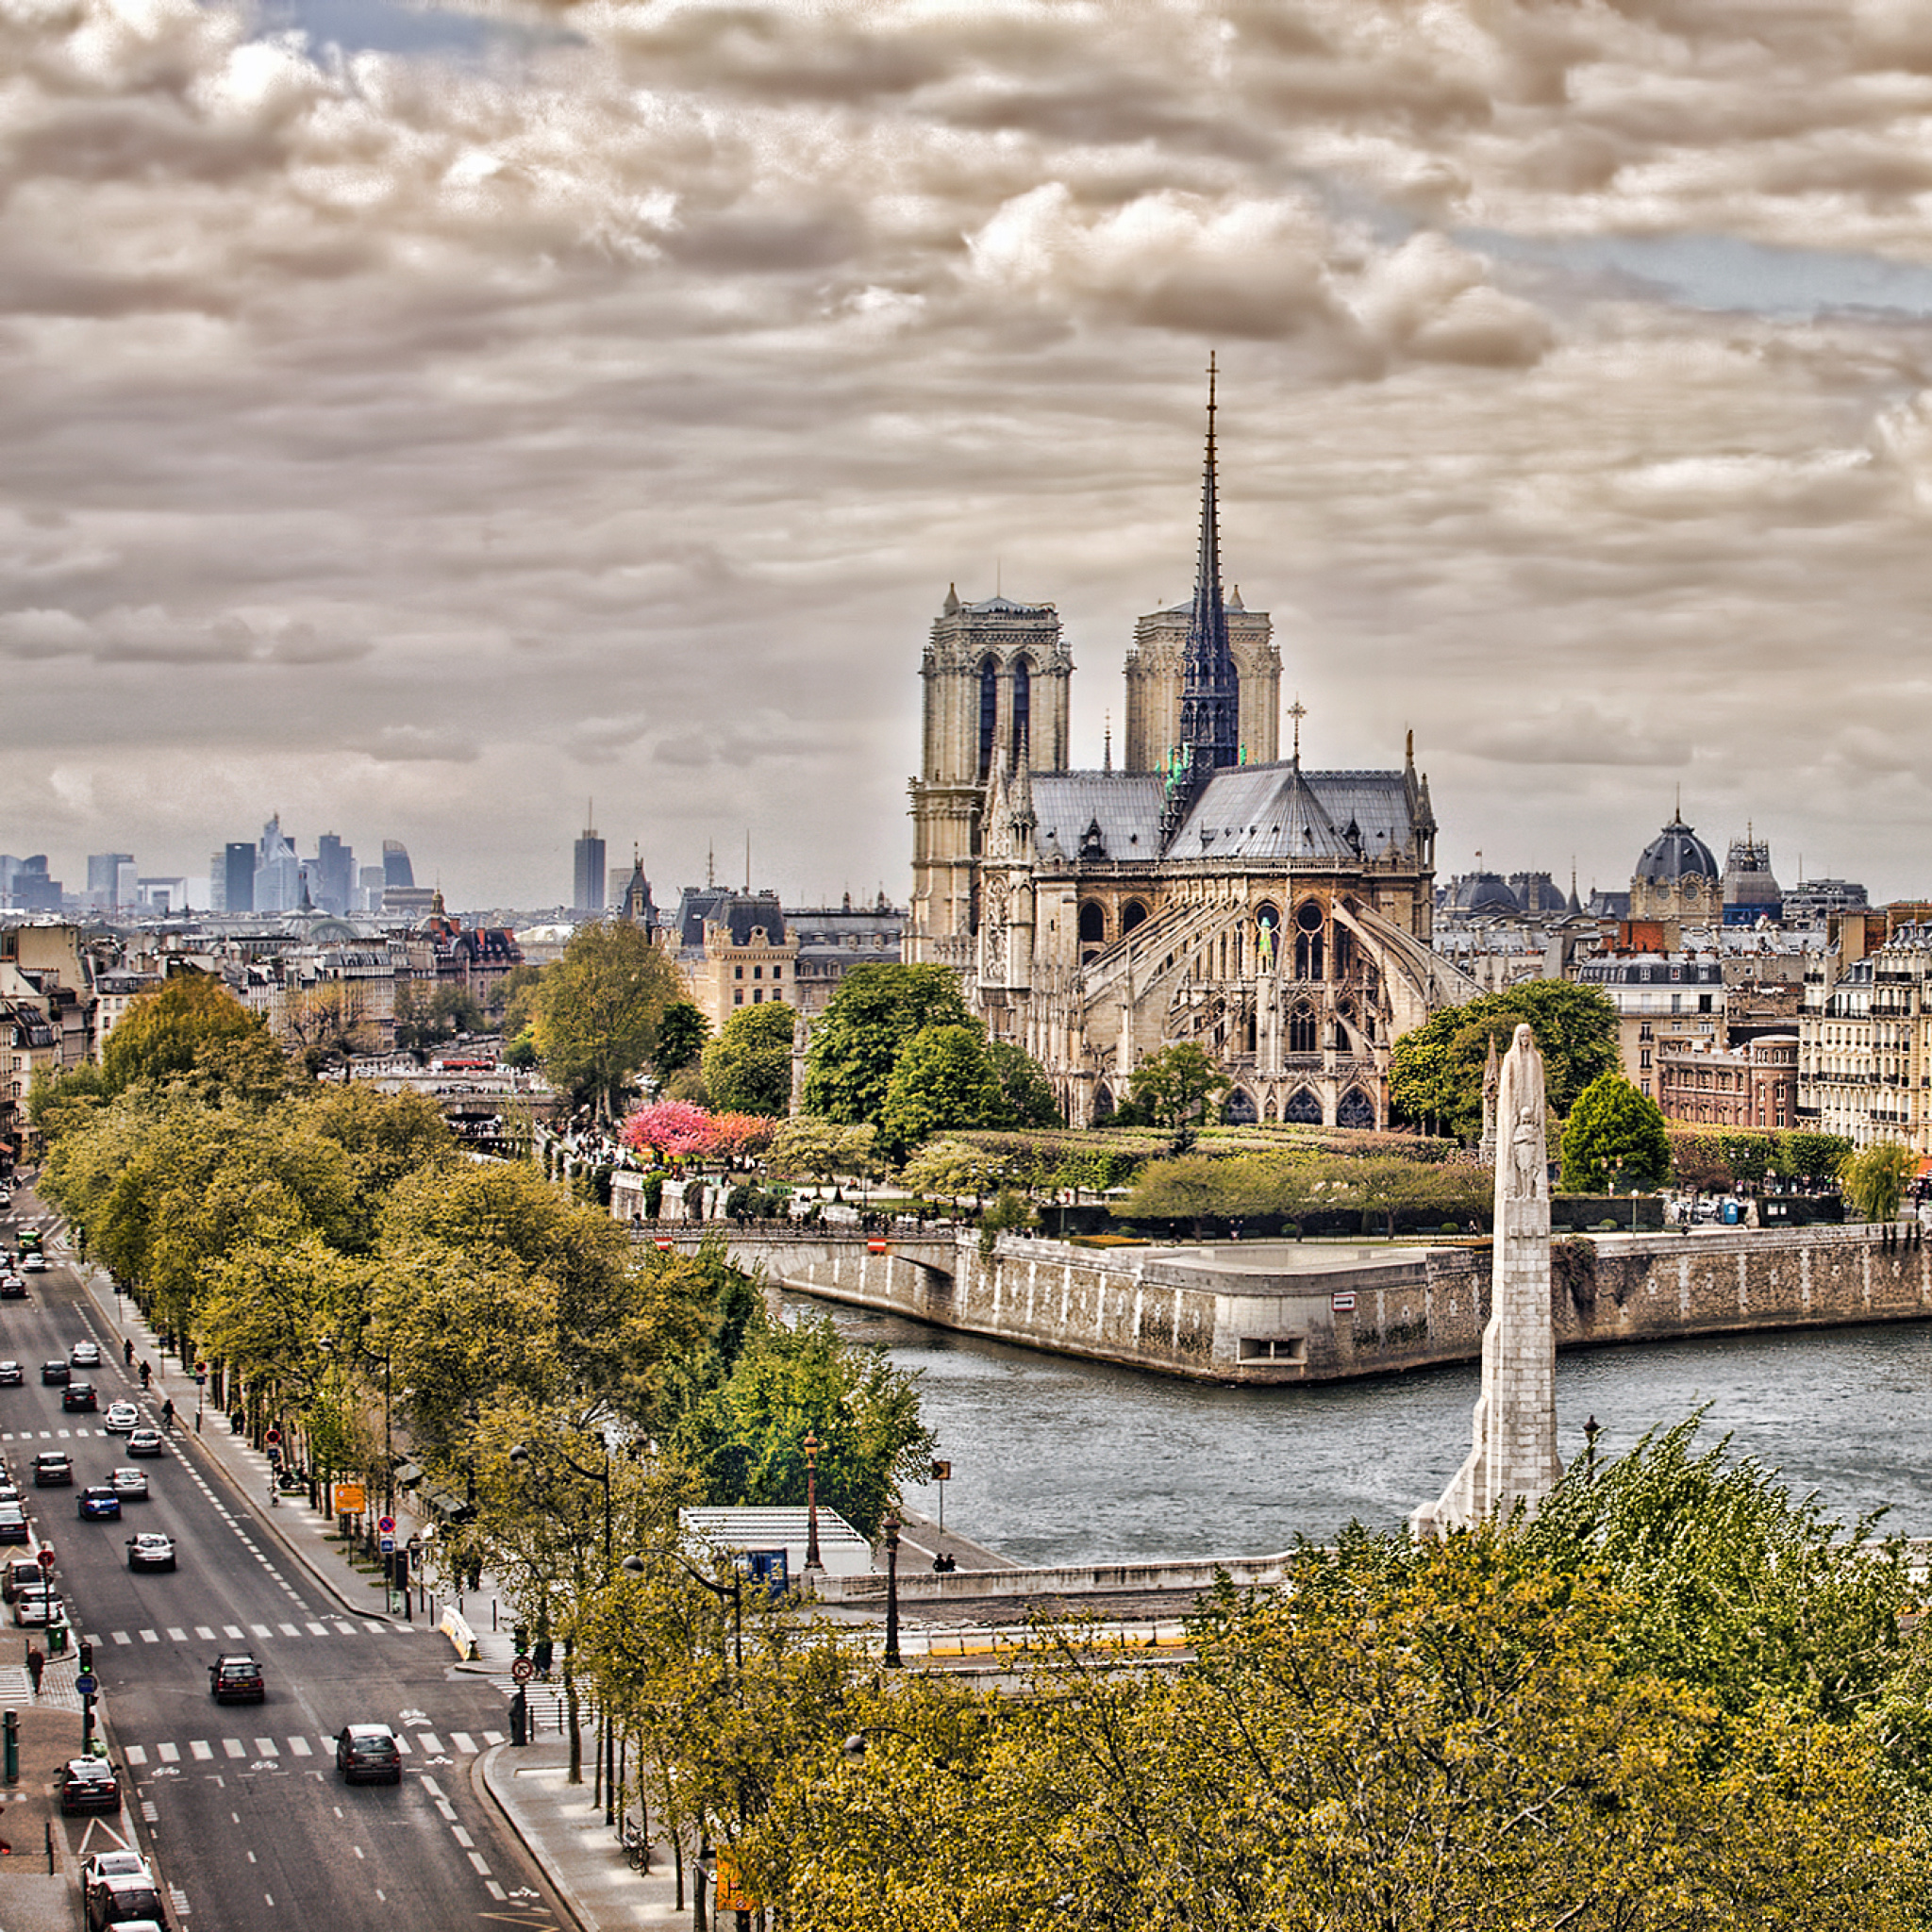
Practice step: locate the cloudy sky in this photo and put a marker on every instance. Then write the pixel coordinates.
(421, 422)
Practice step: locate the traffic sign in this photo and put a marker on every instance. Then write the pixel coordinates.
(272, 1439)
(523, 1670)
(86, 1684)
(385, 1545)
(47, 1557)
(385, 1525)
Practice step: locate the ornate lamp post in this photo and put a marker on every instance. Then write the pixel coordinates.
(812, 1559)
(891, 1527)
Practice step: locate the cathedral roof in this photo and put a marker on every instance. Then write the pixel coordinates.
(1676, 852)
(1123, 808)
(1281, 811)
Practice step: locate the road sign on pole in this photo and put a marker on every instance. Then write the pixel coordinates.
(385, 1525)
(47, 1557)
(523, 1670)
(86, 1684)
(273, 1439)
(385, 1545)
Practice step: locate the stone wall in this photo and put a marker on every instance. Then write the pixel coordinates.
(1358, 1315)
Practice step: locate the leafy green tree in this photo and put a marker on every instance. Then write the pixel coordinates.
(951, 1170)
(806, 1145)
(1027, 1095)
(875, 1015)
(1614, 1135)
(520, 1051)
(597, 1010)
(181, 1030)
(1436, 1072)
(944, 1079)
(1177, 1085)
(1874, 1178)
(748, 1067)
(681, 1036)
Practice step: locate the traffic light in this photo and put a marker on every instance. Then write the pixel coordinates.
(87, 1654)
(520, 1637)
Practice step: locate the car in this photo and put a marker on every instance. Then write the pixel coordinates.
(85, 1355)
(11, 1374)
(79, 1395)
(145, 1441)
(35, 1263)
(131, 1485)
(88, 1784)
(369, 1750)
(18, 1574)
(123, 1903)
(13, 1526)
(7, 1492)
(150, 1550)
(37, 1607)
(115, 1865)
(6, 1197)
(53, 1373)
(236, 1676)
(52, 1468)
(120, 1419)
(98, 1503)
(12, 1287)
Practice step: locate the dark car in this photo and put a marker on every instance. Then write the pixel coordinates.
(88, 1784)
(53, 1372)
(369, 1750)
(19, 1573)
(79, 1395)
(236, 1677)
(53, 1467)
(13, 1524)
(122, 1900)
(99, 1503)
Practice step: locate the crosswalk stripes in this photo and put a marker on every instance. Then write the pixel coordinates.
(428, 1745)
(235, 1633)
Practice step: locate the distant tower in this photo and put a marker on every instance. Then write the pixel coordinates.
(396, 869)
(1210, 690)
(996, 677)
(588, 889)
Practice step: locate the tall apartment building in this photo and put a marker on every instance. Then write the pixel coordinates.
(587, 881)
(109, 880)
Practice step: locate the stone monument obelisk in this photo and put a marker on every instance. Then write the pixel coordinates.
(1514, 1456)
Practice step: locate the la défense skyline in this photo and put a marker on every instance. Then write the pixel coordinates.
(419, 423)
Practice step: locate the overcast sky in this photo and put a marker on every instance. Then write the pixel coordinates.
(420, 424)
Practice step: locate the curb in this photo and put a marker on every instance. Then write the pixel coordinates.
(482, 1780)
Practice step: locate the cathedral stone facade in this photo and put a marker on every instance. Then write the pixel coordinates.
(1211, 891)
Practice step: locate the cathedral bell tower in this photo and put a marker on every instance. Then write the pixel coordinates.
(996, 677)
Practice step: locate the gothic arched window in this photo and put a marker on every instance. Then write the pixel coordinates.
(1356, 1110)
(1301, 1030)
(1303, 1110)
(989, 712)
(1023, 709)
(1132, 914)
(1308, 941)
(1093, 922)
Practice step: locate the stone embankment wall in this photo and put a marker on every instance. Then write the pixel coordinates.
(1165, 1310)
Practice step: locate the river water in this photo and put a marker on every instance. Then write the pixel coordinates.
(1059, 1460)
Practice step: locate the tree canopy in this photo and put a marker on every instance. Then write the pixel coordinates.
(877, 1011)
(597, 1010)
(944, 1079)
(1615, 1137)
(192, 1024)
(748, 1066)
(1176, 1085)
(1436, 1072)
(1874, 1178)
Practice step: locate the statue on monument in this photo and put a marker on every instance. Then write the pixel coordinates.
(1513, 1459)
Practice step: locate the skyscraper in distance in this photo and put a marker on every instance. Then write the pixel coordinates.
(588, 886)
(396, 869)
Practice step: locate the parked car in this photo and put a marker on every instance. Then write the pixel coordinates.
(125, 1903)
(11, 1374)
(53, 1467)
(150, 1550)
(369, 1750)
(236, 1677)
(144, 1441)
(131, 1485)
(19, 1573)
(88, 1784)
(99, 1503)
(13, 1524)
(53, 1373)
(79, 1395)
(36, 1609)
(85, 1355)
(122, 1419)
(12, 1287)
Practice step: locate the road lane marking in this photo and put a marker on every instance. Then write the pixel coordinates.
(122, 1637)
(200, 1749)
(430, 1743)
(134, 1754)
(177, 1635)
(463, 1742)
(319, 1631)
(299, 1747)
(150, 1636)
(231, 1630)
(233, 1746)
(476, 1859)
(292, 1630)
(267, 1747)
(204, 1633)
(262, 1630)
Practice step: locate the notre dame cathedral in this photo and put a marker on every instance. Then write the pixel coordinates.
(1209, 890)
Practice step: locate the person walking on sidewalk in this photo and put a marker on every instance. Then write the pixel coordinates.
(35, 1663)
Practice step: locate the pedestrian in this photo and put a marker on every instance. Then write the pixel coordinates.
(127, 1354)
(146, 1374)
(168, 1414)
(35, 1663)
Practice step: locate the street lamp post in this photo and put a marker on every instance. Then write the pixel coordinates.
(812, 1559)
(891, 1527)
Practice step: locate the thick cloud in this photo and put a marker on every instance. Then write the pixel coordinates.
(416, 443)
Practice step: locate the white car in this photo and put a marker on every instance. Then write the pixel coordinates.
(115, 1865)
(144, 1441)
(37, 1607)
(122, 1419)
(150, 1550)
(129, 1483)
(84, 1354)
(33, 1264)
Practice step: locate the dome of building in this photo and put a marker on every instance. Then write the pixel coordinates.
(1480, 893)
(1676, 852)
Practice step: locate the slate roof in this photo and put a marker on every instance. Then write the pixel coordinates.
(1124, 804)
(1283, 813)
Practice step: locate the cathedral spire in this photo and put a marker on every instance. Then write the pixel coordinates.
(1210, 690)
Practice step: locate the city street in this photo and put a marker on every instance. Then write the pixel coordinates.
(241, 1804)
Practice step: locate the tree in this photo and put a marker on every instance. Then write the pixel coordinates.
(874, 1015)
(1176, 1085)
(597, 1010)
(177, 1030)
(328, 1022)
(944, 1079)
(1615, 1136)
(748, 1066)
(1436, 1072)
(673, 1128)
(805, 1146)
(1026, 1093)
(681, 1036)
(1874, 1178)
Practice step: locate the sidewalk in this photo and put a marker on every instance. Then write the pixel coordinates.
(562, 1831)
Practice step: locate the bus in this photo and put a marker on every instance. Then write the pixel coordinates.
(29, 1240)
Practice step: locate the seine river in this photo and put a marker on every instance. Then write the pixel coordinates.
(1057, 1460)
